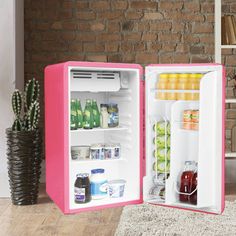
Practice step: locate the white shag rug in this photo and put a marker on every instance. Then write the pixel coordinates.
(149, 220)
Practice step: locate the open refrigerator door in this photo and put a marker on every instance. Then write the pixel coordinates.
(185, 136)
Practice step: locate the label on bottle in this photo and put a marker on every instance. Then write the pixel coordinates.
(79, 194)
(99, 188)
(113, 119)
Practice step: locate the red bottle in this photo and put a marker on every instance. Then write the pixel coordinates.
(193, 197)
(186, 181)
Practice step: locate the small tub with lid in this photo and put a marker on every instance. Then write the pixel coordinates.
(98, 184)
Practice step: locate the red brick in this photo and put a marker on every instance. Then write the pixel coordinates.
(69, 25)
(127, 47)
(154, 46)
(133, 15)
(166, 58)
(119, 5)
(181, 58)
(68, 36)
(226, 51)
(89, 15)
(132, 36)
(67, 4)
(42, 26)
(169, 37)
(196, 49)
(209, 49)
(207, 7)
(178, 27)
(115, 58)
(99, 58)
(110, 15)
(128, 25)
(182, 48)
(231, 60)
(112, 47)
(43, 57)
(65, 14)
(84, 26)
(192, 6)
(97, 26)
(230, 123)
(168, 47)
(231, 114)
(139, 47)
(190, 38)
(143, 5)
(108, 37)
(94, 47)
(113, 26)
(128, 58)
(149, 37)
(82, 5)
(49, 35)
(163, 26)
(76, 47)
(207, 39)
(56, 25)
(201, 59)
(143, 26)
(168, 6)
(153, 16)
(85, 37)
(100, 5)
(62, 57)
(145, 58)
(203, 28)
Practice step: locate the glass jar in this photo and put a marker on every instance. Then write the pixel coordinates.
(98, 185)
(82, 188)
(172, 85)
(113, 112)
(162, 85)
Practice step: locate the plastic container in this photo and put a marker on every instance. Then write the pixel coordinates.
(80, 152)
(98, 184)
(112, 151)
(116, 188)
(97, 152)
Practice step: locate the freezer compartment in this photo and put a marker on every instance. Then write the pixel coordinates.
(127, 135)
(199, 143)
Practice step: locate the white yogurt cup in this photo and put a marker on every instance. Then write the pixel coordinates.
(116, 188)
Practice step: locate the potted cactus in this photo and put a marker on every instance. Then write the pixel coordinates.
(24, 144)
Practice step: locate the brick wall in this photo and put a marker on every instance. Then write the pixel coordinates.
(130, 31)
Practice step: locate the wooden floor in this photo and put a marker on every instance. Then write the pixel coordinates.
(46, 219)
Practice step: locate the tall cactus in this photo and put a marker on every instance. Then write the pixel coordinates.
(31, 92)
(30, 119)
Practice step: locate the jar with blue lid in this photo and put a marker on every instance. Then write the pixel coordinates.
(113, 115)
(98, 184)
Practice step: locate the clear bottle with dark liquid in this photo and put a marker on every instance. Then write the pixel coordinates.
(186, 182)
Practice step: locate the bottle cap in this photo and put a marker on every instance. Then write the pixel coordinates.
(97, 171)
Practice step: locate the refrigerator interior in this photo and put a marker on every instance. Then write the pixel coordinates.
(203, 146)
(108, 85)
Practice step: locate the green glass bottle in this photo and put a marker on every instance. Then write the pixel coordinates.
(79, 115)
(96, 114)
(73, 115)
(88, 115)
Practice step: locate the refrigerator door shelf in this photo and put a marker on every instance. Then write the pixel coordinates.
(205, 145)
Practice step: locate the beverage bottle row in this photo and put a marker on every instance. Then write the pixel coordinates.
(178, 82)
(88, 119)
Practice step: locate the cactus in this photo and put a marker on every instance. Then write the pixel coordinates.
(17, 125)
(33, 116)
(30, 118)
(17, 103)
(31, 93)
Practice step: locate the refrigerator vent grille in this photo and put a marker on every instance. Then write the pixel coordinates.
(95, 74)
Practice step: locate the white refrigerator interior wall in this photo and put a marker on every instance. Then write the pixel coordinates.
(9, 21)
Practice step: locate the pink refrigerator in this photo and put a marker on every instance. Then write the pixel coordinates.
(167, 147)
